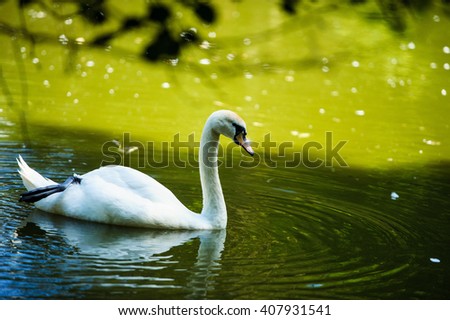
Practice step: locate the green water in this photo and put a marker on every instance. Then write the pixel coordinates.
(294, 231)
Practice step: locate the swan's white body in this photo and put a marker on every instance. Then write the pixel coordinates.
(123, 196)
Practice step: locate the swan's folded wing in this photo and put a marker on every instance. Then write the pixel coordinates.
(136, 182)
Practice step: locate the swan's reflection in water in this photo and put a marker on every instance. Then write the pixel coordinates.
(102, 258)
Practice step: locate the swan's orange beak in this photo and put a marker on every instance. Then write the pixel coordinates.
(244, 143)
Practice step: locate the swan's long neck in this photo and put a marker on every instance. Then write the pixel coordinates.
(214, 209)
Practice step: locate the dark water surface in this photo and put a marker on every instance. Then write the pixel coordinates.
(292, 233)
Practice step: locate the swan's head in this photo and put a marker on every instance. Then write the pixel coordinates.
(232, 126)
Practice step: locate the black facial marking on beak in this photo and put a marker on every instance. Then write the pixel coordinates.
(239, 130)
(241, 139)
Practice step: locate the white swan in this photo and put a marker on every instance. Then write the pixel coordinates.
(124, 196)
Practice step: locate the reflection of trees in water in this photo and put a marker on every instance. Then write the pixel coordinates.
(160, 31)
(169, 27)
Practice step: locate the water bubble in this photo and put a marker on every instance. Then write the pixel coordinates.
(444, 92)
(90, 63)
(436, 18)
(411, 45)
(435, 260)
(446, 66)
(322, 111)
(247, 41)
(360, 113)
(446, 50)
(355, 64)
(165, 85)
(46, 83)
(35, 60)
(433, 65)
(111, 91)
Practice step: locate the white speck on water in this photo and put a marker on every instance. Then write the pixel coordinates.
(444, 92)
(446, 66)
(433, 65)
(304, 135)
(435, 260)
(165, 85)
(248, 75)
(394, 196)
(289, 78)
(322, 111)
(90, 63)
(231, 56)
(431, 142)
(355, 64)
(360, 113)
(46, 83)
(205, 61)
(411, 45)
(446, 50)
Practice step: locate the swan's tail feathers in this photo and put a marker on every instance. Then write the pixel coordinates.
(43, 192)
(32, 179)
